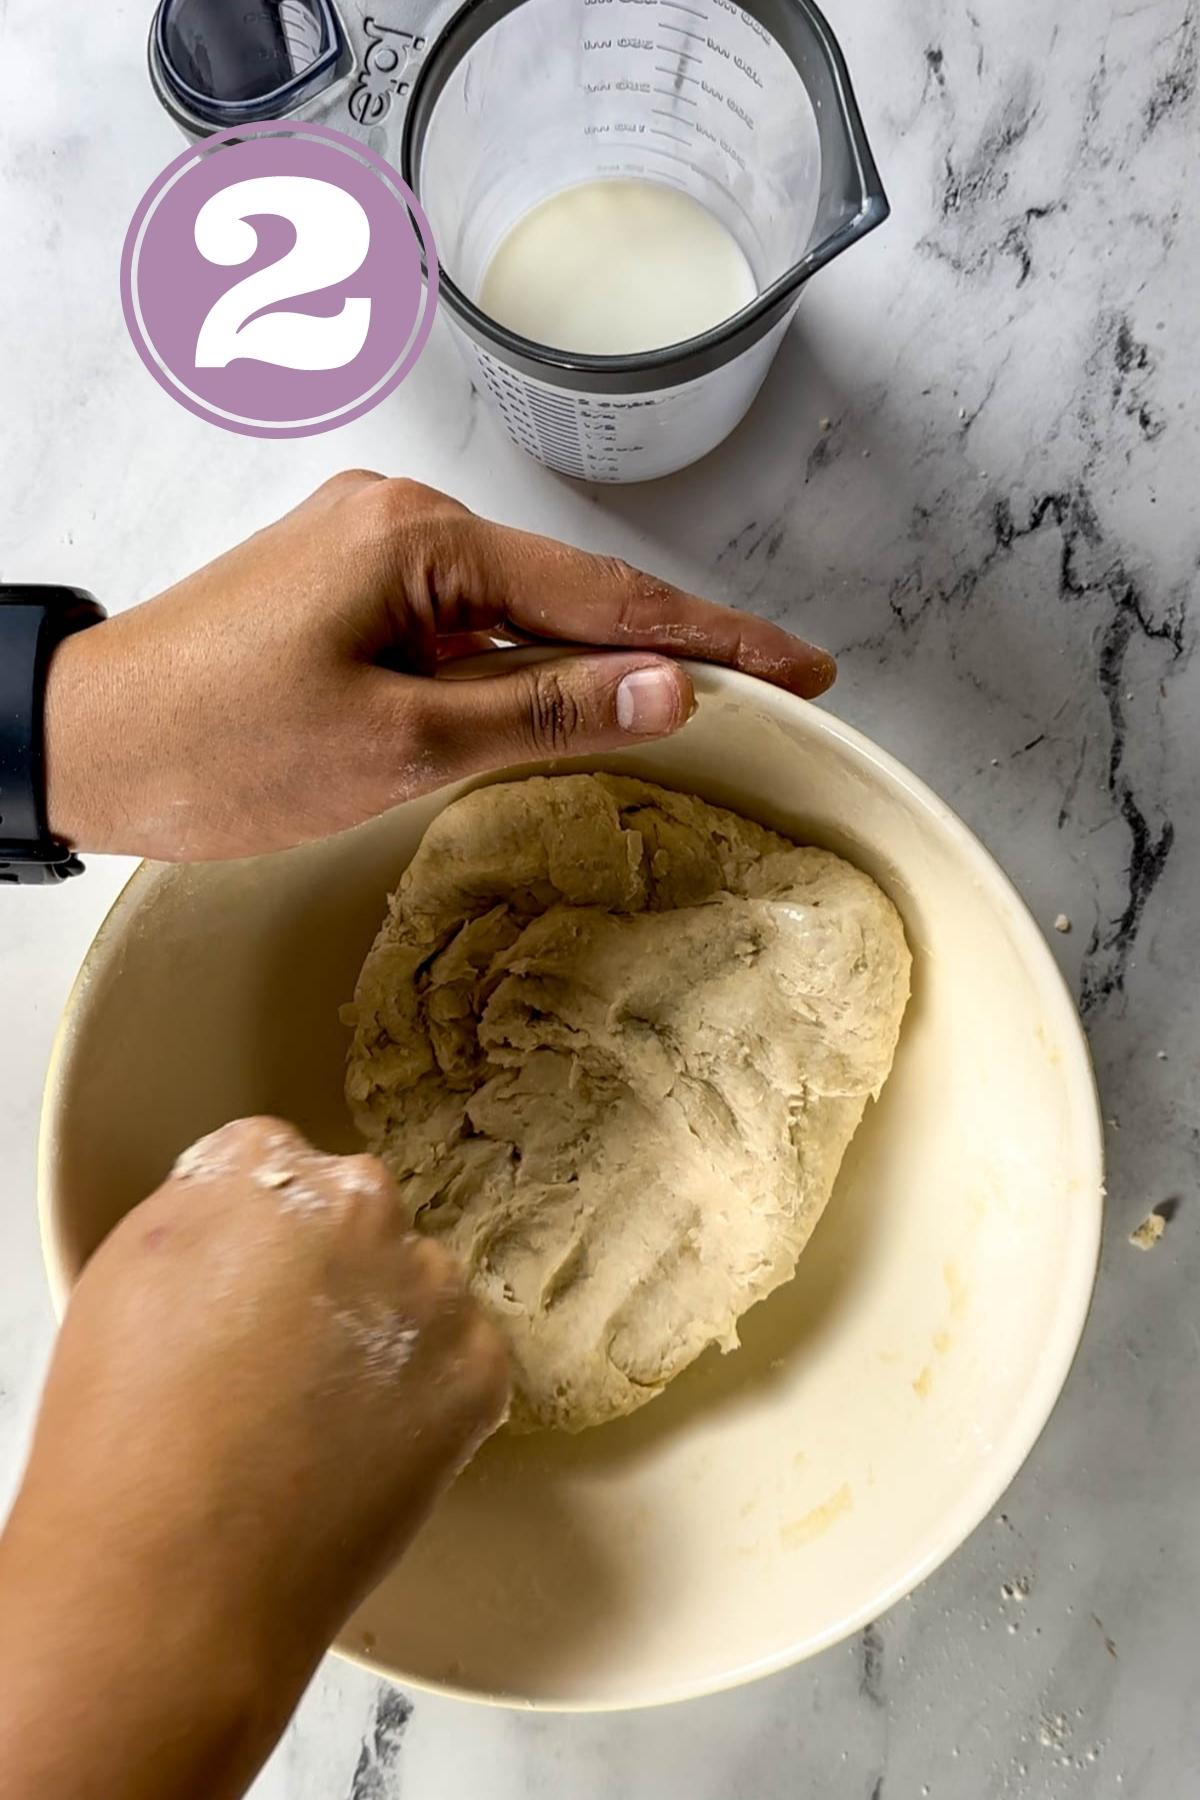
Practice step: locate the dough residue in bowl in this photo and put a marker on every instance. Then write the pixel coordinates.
(612, 1043)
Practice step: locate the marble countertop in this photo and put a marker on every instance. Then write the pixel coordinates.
(999, 536)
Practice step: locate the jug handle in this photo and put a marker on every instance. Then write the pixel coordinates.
(390, 39)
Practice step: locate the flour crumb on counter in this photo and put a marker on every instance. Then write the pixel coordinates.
(1062, 923)
(1054, 1731)
(1148, 1232)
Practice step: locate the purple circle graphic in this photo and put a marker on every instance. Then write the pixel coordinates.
(279, 280)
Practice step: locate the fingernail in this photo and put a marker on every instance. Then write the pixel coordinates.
(824, 671)
(648, 702)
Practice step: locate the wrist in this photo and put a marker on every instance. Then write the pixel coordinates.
(79, 745)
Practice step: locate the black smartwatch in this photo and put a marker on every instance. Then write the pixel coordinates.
(33, 622)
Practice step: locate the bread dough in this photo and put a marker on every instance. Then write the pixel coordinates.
(613, 1042)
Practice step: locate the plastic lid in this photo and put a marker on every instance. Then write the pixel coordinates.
(230, 63)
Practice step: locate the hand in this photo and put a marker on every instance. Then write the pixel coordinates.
(262, 1384)
(285, 692)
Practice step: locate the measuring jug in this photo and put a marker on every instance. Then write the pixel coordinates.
(490, 107)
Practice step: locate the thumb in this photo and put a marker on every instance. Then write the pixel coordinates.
(564, 707)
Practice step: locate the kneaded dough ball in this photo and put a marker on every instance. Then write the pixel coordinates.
(613, 1042)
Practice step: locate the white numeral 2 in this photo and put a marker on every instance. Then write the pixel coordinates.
(333, 235)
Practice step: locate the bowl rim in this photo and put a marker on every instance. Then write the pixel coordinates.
(1059, 1349)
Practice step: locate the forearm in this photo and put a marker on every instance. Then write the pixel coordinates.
(114, 1682)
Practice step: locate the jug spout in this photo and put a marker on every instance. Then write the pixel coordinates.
(851, 198)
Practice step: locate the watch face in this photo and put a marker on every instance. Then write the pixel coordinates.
(68, 606)
(231, 64)
(33, 621)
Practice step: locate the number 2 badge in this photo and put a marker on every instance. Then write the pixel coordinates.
(279, 280)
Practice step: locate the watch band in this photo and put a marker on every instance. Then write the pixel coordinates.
(33, 622)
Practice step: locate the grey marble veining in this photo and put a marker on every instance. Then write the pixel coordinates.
(998, 533)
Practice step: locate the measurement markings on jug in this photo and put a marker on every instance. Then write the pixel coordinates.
(743, 17)
(721, 143)
(674, 156)
(735, 59)
(693, 37)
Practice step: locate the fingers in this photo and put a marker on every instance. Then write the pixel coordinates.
(450, 575)
(447, 573)
(575, 706)
(487, 575)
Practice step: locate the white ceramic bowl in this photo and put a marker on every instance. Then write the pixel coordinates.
(772, 1501)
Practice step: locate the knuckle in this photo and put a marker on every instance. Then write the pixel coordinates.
(363, 1197)
(619, 572)
(385, 511)
(429, 499)
(552, 711)
(364, 1174)
(234, 1149)
(363, 1177)
(349, 481)
(626, 584)
(405, 494)
(638, 601)
(268, 1122)
(402, 500)
(421, 544)
(454, 540)
(387, 504)
(433, 1266)
(443, 556)
(264, 1132)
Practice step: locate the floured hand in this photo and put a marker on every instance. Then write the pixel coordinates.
(262, 1384)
